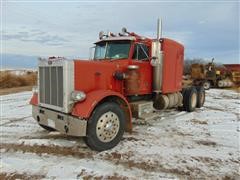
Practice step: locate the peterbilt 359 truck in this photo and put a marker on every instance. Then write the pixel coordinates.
(130, 76)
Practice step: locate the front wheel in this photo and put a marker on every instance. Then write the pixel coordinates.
(105, 127)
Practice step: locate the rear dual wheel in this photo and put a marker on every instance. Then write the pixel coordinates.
(193, 97)
(190, 99)
(200, 96)
(105, 127)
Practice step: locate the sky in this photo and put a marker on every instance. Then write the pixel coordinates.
(69, 28)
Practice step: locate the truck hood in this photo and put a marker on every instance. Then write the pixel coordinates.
(95, 75)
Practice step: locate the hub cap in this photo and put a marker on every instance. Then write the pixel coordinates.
(107, 126)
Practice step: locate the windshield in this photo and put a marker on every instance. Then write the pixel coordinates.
(112, 50)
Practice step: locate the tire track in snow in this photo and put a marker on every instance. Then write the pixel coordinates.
(13, 120)
(51, 150)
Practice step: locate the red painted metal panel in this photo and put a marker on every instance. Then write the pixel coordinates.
(233, 67)
(173, 53)
(95, 75)
(84, 109)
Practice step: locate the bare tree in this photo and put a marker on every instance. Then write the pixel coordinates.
(188, 62)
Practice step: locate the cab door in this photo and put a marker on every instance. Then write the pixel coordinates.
(141, 58)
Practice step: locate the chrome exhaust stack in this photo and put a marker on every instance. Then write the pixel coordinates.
(157, 60)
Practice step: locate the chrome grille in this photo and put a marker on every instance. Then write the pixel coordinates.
(51, 85)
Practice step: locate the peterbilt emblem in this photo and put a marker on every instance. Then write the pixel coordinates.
(49, 62)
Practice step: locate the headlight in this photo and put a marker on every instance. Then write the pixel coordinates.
(35, 89)
(78, 96)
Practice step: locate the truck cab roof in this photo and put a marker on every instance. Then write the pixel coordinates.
(117, 38)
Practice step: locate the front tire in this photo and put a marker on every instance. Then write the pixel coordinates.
(105, 127)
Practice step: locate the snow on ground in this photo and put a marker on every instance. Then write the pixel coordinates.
(177, 145)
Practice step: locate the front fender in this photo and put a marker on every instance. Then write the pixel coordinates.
(34, 99)
(84, 109)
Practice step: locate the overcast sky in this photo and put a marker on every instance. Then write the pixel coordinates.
(207, 29)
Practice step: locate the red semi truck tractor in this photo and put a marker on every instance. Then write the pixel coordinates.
(129, 77)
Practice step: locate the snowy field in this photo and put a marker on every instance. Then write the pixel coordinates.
(177, 145)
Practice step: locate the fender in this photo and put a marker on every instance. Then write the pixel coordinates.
(34, 99)
(84, 109)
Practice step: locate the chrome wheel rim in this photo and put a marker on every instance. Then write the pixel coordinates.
(107, 126)
(194, 100)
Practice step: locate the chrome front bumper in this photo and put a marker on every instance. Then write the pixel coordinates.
(63, 123)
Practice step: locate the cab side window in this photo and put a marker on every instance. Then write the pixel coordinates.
(141, 52)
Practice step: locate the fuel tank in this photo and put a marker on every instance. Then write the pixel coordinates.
(132, 81)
